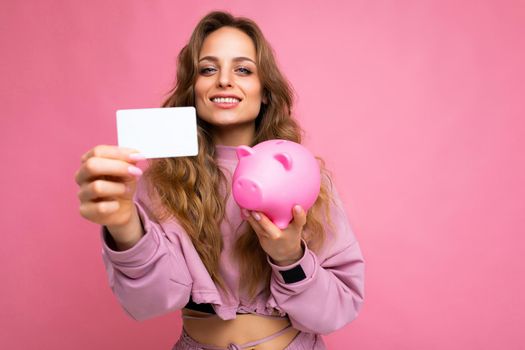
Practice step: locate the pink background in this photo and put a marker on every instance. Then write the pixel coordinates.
(417, 106)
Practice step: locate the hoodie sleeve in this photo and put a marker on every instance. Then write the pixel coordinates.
(151, 278)
(323, 292)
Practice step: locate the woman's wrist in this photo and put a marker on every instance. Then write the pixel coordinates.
(292, 259)
(126, 236)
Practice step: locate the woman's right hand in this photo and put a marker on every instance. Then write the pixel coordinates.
(108, 180)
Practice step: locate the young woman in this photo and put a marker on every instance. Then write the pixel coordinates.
(174, 238)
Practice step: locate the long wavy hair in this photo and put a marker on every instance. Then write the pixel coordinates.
(189, 188)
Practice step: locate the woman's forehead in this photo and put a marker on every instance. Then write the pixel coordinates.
(227, 44)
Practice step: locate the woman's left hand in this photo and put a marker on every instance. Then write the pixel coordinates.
(283, 246)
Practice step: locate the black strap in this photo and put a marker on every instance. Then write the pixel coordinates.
(293, 275)
(200, 307)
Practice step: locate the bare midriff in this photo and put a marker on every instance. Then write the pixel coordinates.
(243, 329)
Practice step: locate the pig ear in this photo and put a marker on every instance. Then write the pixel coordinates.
(244, 151)
(284, 159)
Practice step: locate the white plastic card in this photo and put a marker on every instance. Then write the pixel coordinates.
(159, 132)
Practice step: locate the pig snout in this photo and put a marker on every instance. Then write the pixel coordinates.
(247, 193)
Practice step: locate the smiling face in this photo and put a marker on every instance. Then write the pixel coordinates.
(228, 92)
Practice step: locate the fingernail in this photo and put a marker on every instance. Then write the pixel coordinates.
(256, 216)
(136, 156)
(297, 209)
(134, 170)
(245, 213)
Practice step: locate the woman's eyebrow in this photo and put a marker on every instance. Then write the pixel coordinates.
(235, 59)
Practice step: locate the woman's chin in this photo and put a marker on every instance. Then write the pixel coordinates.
(231, 122)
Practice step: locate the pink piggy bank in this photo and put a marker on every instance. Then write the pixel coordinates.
(273, 176)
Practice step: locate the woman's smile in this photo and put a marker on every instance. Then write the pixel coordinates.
(226, 102)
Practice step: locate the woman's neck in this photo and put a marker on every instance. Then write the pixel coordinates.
(234, 135)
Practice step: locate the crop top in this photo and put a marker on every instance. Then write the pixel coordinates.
(162, 272)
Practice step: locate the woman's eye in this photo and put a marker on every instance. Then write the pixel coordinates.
(210, 70)
(244, 70)
(207, 70)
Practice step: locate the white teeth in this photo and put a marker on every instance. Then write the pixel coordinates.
(225, 100)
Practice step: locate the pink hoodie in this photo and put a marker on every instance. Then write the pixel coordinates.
(320, 293)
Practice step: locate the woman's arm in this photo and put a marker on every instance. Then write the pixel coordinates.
(322, 293)
(150, 278)
(129, 234)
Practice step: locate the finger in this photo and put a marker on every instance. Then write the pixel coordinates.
(299, 216)
(96, 167)
(266, 224)
(102, 189)
(111, 152)
(93, 210)
(245, 214)
(257, 228)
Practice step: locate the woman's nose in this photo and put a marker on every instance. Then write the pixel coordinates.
(225, 79)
